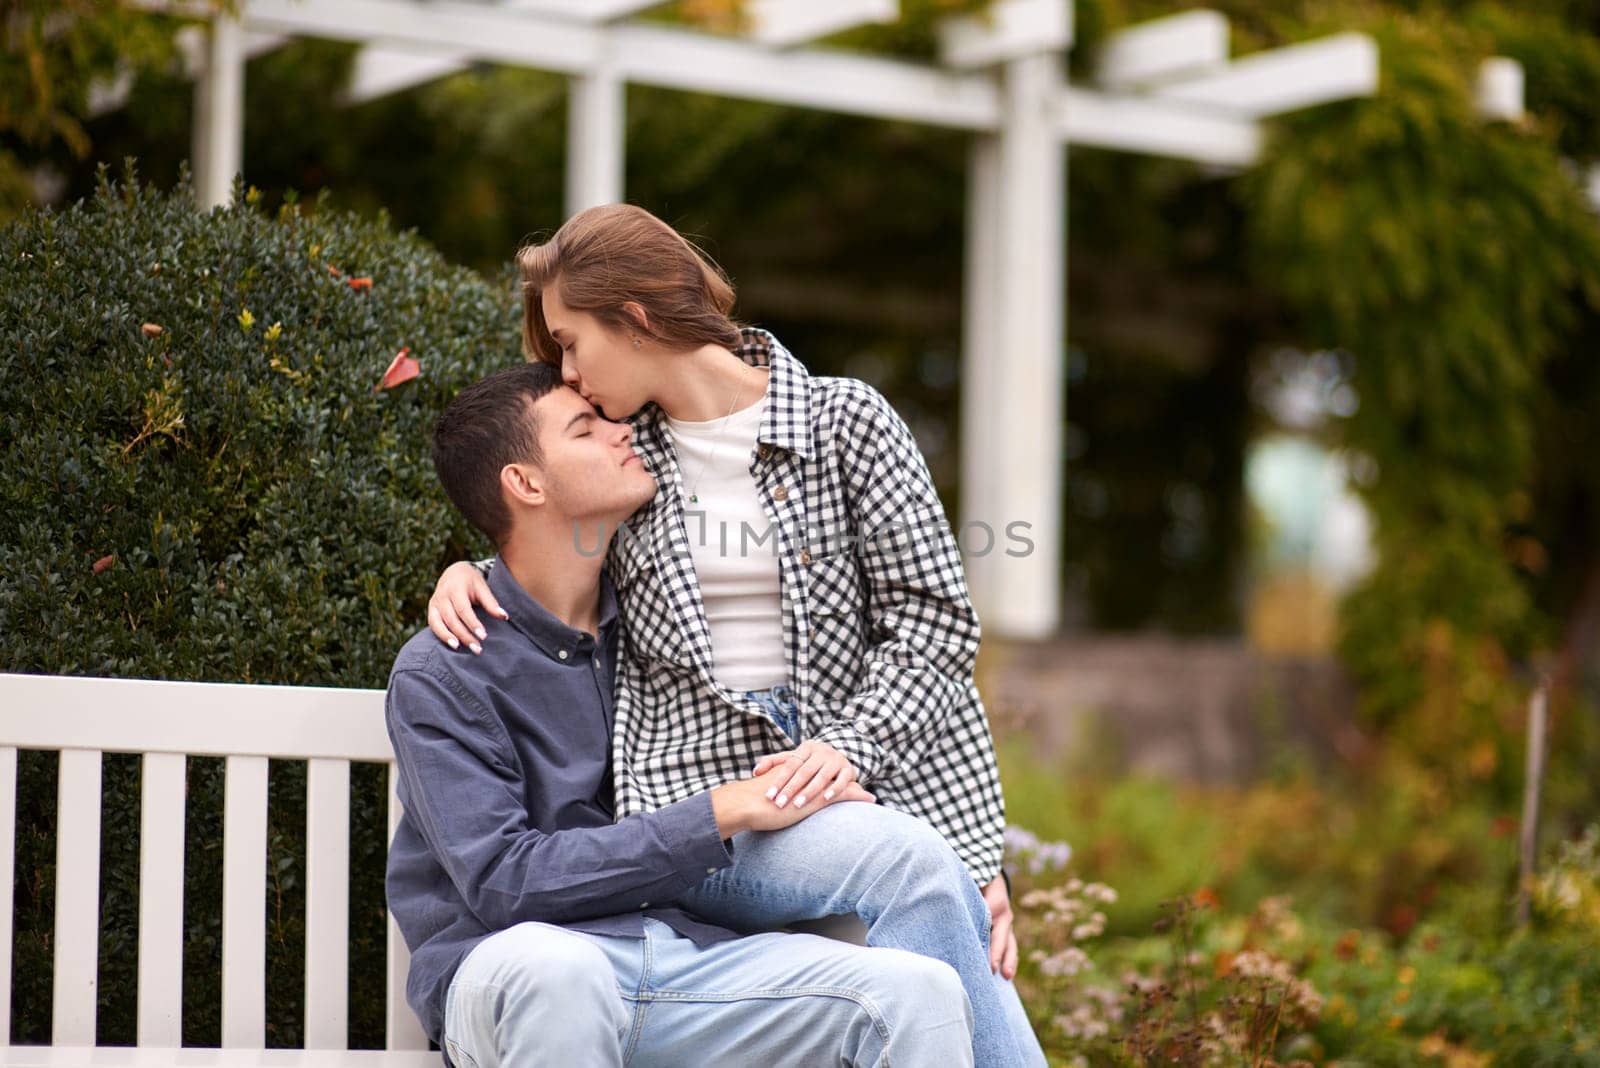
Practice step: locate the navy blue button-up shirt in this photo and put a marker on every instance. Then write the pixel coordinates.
(505, 781)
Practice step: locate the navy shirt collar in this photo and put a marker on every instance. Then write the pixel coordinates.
(539, 624)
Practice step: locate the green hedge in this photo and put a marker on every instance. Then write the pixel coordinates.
(198, 480)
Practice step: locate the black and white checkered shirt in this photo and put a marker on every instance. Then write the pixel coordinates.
(880, 636)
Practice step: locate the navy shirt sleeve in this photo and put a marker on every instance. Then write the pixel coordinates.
(460, 785)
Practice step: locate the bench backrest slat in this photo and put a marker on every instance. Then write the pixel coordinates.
(166, 722)
(161, 827)
(8, 867)
(197, 718)
(327, 904)
(77, 937)
(403, 1028)
(244, 903)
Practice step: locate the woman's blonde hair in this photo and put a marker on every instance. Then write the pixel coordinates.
(607, 255)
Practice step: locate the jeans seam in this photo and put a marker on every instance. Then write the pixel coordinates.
(879, 1023)
(636, 1030)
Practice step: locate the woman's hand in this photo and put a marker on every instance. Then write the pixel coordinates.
(450, 614)
(815, 768)
(1002, 939)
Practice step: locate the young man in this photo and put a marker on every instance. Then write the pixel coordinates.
(541, 930)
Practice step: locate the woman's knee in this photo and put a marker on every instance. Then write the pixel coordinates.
(873, 830)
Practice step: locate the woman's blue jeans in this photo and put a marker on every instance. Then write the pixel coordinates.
(892, 870)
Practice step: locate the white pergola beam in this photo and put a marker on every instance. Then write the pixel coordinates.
(1153, 127)
(787, 23)
(379, 71)
(585, 10)
(641, 54)
(484, 32)
(831, 80)
(1009, 29)
(1285, 79)
(1179, 46)
(812, 78)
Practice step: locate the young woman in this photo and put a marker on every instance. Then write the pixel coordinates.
(793, 594)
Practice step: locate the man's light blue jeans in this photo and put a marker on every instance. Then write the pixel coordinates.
(892, 870)
(536, 994)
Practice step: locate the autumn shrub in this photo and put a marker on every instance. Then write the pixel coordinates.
(1217, 980)
(201, 478)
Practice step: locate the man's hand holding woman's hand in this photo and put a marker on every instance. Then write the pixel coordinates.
(450, 614)
(814, 769)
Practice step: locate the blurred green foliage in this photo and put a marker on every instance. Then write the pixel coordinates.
(1454, 257)
(1388, 895)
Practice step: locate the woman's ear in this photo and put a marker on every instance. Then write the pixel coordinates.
(635, 311)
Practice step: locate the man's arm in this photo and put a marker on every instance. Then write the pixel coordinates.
(461, 788)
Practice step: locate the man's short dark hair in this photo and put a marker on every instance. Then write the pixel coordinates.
(490, 424)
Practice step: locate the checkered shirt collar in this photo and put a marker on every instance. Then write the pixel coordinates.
(787, 422)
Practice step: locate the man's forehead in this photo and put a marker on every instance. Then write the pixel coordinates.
(567, 403)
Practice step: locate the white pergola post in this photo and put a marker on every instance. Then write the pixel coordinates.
(980, 541)
(596, 118)
(1014, 329)
(1025, 402)
(218, 148)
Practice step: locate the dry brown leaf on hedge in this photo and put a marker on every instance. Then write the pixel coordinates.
(401, 369)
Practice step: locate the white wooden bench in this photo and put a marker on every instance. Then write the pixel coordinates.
(165, 722)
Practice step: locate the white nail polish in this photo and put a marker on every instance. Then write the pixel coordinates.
(475, 647)
(772, 793)
(454, 644)
(827, 795)
(783, 799)
(481, 633)
(800, 802)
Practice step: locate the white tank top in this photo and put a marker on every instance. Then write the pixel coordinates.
(733, 546)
